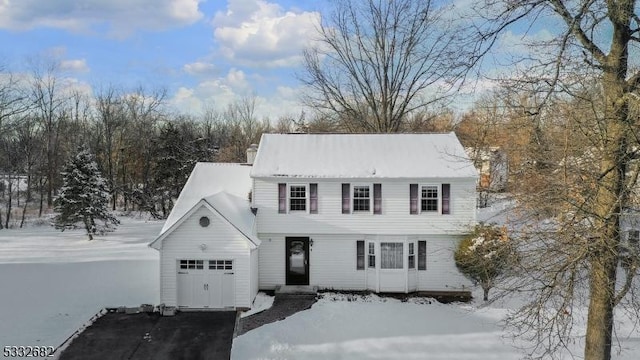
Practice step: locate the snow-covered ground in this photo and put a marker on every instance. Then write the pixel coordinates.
(52, 282)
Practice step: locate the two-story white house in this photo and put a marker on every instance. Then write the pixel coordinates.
(379, 212)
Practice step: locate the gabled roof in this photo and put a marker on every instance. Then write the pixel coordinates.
(208, 179)
(232, 210)
(237, 211)
(362, 156)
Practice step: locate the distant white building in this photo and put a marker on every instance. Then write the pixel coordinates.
(379, 212)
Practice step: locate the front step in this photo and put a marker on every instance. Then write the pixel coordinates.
(296, 290)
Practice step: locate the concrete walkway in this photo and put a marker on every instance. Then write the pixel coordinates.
(188, 335)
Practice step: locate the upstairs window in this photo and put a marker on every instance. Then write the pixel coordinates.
(361, 198)
(429, 198)
(297, 198)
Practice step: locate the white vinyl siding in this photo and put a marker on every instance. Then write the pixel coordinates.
(395, 217)
(222, 242)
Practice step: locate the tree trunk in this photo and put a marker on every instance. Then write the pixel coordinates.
(600, 318)
(8, 216)
(485, 291)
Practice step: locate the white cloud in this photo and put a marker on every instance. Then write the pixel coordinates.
(260, 33)
(121, 16)
(75, 65)
(219, 92)
(199, 68)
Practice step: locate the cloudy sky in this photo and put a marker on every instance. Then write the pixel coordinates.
(206, 53)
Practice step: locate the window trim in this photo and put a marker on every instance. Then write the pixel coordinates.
(411, 255)
(353, 198)
(397, 244)
(438, 199)
(306, 198)
(371, 255)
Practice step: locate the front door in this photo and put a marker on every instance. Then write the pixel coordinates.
(297, 254)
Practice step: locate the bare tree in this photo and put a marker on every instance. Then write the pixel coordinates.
(377, 61)
(592, 39)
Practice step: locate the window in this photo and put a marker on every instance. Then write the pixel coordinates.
(313, 198)
(360, 255)
(282, 198)
(391, 255)
(412, 257)
(446, 198)
(429, 198)
(298, 198)
(372, 255)
(422, 255)
(361, 198)
(377, 198)
(192, 264)
(204, 221)
(413, 198)
(346, 199)
(220, 264)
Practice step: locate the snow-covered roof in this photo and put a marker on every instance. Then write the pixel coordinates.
(208, 179)
(236, 211)
(362, 156)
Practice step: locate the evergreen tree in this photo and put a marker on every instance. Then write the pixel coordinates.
(484, 256)
(84, 196)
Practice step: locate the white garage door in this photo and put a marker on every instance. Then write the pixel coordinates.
(206, 284)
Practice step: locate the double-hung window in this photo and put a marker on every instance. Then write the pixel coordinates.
(412, 256)
(372, 255)
(429, 198)
(361, 198)
(297, 198)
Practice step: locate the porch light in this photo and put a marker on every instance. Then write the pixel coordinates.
(203, 247)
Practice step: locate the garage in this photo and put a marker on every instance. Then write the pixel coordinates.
(205, 284)
(208, 249)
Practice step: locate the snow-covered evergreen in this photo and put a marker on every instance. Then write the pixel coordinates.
(84, 197)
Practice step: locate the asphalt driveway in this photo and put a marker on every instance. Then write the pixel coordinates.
(188, 335)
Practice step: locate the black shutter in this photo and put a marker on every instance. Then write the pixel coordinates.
(422, 255)
(282, 198)
(446, 198)
(346, 199)
(313, 198)
(360, 255)
(413, 198)
(377, 198)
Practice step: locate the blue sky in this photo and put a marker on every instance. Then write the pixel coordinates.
(206, 53)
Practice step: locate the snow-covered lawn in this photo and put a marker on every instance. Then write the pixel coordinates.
(52, 282)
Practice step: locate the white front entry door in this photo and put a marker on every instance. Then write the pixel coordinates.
(205, 284)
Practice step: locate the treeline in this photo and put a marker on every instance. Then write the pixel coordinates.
(144, 149)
